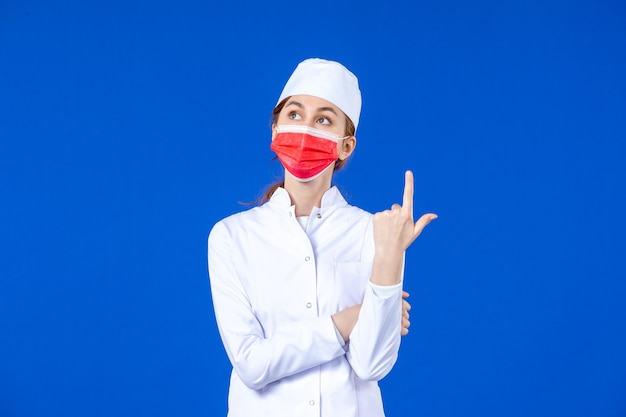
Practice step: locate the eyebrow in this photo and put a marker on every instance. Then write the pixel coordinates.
(300, 105)
(330, 109)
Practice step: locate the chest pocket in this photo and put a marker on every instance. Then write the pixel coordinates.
(349, 282)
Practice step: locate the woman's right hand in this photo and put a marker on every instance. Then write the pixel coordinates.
(404, 330)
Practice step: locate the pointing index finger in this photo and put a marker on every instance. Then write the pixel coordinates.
(407, 199)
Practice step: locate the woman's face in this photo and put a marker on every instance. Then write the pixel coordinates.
(320, 114)
(313, 112)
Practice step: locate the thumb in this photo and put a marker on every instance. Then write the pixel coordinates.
(422, 222)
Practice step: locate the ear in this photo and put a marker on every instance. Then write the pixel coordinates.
(273, 131)
(347, 147)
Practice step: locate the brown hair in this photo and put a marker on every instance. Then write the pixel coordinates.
(350, 131)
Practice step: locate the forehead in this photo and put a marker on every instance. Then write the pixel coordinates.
(312, 103)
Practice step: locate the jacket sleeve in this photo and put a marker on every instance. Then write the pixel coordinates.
(375, 339)
(257, 359)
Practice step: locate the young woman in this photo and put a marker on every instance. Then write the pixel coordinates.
(307, 289)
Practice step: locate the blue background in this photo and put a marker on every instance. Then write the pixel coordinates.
(128, 128)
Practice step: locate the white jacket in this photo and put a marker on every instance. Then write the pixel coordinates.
(274, 288)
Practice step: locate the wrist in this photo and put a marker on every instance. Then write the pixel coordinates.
(387, 267)
(390, 258)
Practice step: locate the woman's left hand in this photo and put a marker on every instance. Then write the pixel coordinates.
(394, 231)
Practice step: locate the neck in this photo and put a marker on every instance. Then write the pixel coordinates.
(306, 195)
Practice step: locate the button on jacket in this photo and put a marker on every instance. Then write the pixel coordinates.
(275, 286)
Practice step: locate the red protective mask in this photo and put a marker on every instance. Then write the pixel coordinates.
(304, 151)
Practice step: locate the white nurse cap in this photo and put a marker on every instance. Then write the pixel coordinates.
(328, 80)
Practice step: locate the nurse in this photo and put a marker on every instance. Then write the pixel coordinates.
(307, 289)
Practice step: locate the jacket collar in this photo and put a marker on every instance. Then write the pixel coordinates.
(332, 197)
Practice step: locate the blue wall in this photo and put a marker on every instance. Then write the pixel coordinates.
(128, 128)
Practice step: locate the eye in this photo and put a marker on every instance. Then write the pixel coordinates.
(294, 116)
(324, 120)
